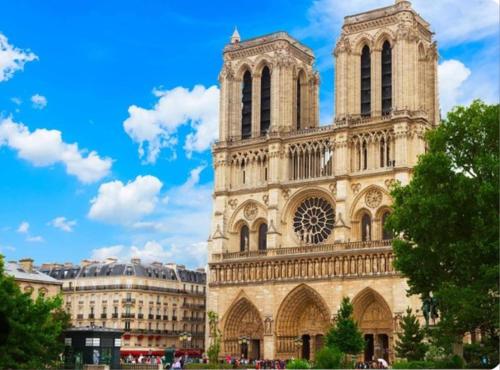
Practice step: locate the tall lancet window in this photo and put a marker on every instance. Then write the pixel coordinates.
(298, 103)
(265, 101)
(244, 238)
(246, 106)
(386, 78)
(366, 81)
(263, 237)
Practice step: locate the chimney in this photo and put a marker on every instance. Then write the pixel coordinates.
(85, 263)
(110, 260)
(136, 261)
(26, 264)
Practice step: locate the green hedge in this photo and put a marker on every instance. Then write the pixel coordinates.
(211, 366)
(454, 362)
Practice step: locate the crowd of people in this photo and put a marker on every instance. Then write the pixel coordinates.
(148, 359)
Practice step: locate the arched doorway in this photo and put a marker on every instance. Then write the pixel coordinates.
(374, 318)
(243, 330)
(303, 319)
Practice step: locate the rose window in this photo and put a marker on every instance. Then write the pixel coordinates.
(313, 220)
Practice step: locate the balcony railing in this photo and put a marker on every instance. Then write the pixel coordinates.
(114, 315)
(303, 249)
(150, 316)
(79, 316)
(128, 315)
(104, 316)
(91, 315)
(165, 317)
(128, 301)
(193, 306)
(140, 315)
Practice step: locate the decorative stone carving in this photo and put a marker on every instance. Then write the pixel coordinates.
(268, 326)
(250, 211)
(233, 203)
(356, 188)
(389, 183)
(373, 198)
(265, 199)
(333, 188)
(286, 193)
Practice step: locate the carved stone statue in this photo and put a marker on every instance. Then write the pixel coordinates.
(246, 243)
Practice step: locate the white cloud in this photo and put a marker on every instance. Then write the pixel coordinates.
(452, 75)
(23, 227)
(12, 59)
(16, 100)
(155, 129)
(117, 203)
(39, 101)
(35, 239)
(193, 255)
(44, 147)
(63, 224)
(478, 19)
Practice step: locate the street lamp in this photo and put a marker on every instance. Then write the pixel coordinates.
(185, 337)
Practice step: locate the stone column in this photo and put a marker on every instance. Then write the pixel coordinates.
(256, 83)
(376, 81)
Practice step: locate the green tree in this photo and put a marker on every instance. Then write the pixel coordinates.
(345, 335)
(215, 334)
(409, 345)
(34, 327)
(328, 358)
(448, 218)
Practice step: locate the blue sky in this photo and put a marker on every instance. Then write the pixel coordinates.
(108, 110)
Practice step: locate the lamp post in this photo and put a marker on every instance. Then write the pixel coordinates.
(185, 337)
(243, 341)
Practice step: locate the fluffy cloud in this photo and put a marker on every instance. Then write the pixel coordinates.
(478, 19)
(193, 255)
(12, 59)
(35, 239)
(44, 147)
(39, 101)
(63, 224)
(23, 227)
(119, 203)
(154, 129)
(452, 75)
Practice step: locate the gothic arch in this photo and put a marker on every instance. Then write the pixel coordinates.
(242, 67)
(371, 312)
(361, 41)
(356, 203)
(383, 36)
(242, 319)
(303, 311)
(294, 201)
(238, 214)
(257, 222)
(260, 63)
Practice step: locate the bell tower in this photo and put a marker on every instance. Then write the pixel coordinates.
(386, 61)
(268, 84)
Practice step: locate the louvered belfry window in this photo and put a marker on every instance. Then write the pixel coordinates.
(386, 78)
(365, 81)
(265, 101)
(298, 104)
(246, 109)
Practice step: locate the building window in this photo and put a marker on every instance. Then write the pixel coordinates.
(365, 81)
(365, 156)
(298, 103)
(265, 101)
(366, 228)
(244, 238)
(386, 78)
(386, 233)
(127, 325)
(262, 237)
(246, 106)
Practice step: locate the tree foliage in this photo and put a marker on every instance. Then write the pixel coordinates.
(410, 344)
(345, 335)
(328, 358)
(448, 218)
(215, 334)
(34, 327)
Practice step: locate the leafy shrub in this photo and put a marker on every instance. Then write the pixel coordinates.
(412, 365)
(328, 358)
(298, 364)
(453, 362)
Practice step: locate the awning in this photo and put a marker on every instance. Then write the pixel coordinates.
(138, 352)
(190, 352)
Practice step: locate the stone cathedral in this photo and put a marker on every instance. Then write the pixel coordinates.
(299, 207)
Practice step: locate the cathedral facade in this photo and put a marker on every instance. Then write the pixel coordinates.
(299, 207)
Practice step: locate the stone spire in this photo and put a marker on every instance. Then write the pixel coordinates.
(235, 38)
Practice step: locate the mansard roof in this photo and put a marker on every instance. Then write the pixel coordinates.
(101, 269)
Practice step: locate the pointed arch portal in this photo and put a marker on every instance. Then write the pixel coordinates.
(243, 321)
(302, 314)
